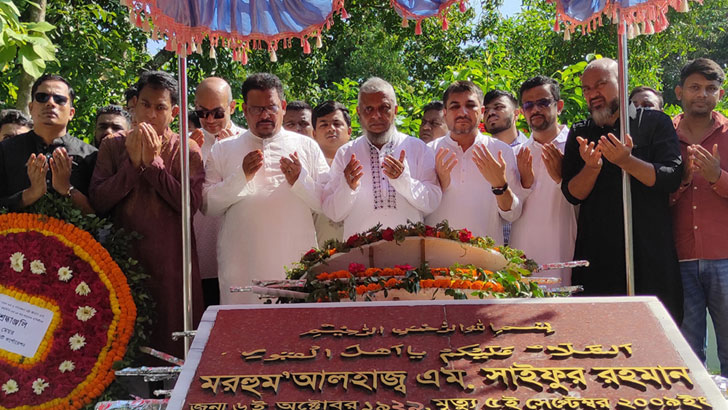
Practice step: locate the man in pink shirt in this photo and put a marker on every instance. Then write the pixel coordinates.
(700, 206)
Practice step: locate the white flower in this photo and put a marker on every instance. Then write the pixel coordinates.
(84, 313)
(76, 342)
(39, 385)
(10, 387)
(65, 274)
(83, 289)
(37, 267)
(66, 366)
(16, 261)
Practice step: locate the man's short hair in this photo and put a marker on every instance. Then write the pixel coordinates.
(13, 116)
(114, 110)
(377, 85)
(298, 105)
(494, 94)
(130, 93)
(52, 77)
(193, 119)
(648, 89)
(705, 67)
(436, 105)
(326, 108)
(159, 80)
(462, 87)
(262, 82)
(537, 81)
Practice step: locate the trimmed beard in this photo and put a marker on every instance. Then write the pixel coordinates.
(498, 130)
(382, 137)
(603, 116)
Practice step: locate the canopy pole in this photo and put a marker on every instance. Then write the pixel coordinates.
(185, 184)
(624, 130)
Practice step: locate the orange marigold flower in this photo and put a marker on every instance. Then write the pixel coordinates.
(388, 272)
(499, 287)
(361, 289)
(332, 251)
(373, 287)
(442, 283)
(427, 283)
(322, 276)
(342, 274)
(392, 282)
(398, 272)
(372, 272)
(467, 284)
(477, 285)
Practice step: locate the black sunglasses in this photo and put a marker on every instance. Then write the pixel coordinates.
(44, 97)
(217, 113)
(542, 103)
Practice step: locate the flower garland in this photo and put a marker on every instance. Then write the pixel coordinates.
(456, 281)
(56, 266)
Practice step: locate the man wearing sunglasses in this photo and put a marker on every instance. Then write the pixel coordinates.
(46, 159)
(214, 105)
(546, 230)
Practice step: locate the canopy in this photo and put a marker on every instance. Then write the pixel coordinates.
(242, 25)
(587, 14)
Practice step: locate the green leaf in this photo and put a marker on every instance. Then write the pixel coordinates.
(33, 66)
(7, 54)
(41, 26)
(46, 53)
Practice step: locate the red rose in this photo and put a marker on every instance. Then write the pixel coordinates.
(406, 267)
(355, 268)
(465, 235)
(430, 230)
(353, 239)
(388, 234)
(311, 252)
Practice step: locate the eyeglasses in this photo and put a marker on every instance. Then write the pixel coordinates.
(217, 113)
(44, 97)
(542, 103)
(257, 109)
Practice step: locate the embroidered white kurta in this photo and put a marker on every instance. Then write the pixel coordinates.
(379, 199)
(468, 202)
(546, 230)
(267, 223)
(207, 227)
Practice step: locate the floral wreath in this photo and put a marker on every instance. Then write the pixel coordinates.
(54, 265)
(457, 281)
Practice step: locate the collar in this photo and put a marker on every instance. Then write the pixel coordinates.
(719, 122)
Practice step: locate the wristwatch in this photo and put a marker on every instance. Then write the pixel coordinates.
(500, 190)
(70, 190)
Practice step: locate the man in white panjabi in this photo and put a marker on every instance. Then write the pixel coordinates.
(546, 230)
(477, 173)
(383, 176)
(266, 183)
(214, 105)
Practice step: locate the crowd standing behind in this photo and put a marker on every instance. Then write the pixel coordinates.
(295, 179)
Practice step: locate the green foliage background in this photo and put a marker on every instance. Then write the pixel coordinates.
(102, 54)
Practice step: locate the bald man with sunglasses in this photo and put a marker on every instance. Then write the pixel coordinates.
(214, 105)
(46, 159)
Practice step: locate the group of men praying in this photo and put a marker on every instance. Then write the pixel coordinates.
(295, 178)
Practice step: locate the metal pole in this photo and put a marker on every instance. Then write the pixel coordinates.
(185, 184)
(624, 130)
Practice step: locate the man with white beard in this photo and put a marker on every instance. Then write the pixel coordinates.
(383, 176)
(594, 158)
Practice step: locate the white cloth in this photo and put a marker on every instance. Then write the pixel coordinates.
(469, 201)
(379, 199)
(267, 223)
(546, 230)
(207, 227)
(211, 139)
(327, 229)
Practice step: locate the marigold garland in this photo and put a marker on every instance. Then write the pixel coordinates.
(58, 377)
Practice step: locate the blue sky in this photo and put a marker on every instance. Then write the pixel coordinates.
(510, 7)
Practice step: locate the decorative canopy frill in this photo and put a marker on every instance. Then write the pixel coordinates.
(242, 25)
(640, 16)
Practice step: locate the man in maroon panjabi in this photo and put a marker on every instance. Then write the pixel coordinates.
(137, 181)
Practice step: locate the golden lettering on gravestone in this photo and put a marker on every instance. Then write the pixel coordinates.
(365, 380)
(455, 404)
(566, 350)
(478, 327)
(475, 352)
(335, 378)
(538, 327)
(429, 378)
(567, 402)
(328, 329)
(253, 355)
(638, 377)
(310, 380)
(505, 402)
(456, 377)
(208, 406)
(283, 356)
(355, 351)
(254, 405)
(394, 379)
(415, 355)
(210, 382)
(533, 377)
